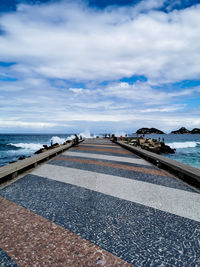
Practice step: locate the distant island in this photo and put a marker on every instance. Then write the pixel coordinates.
(149, 131)
(183, 130)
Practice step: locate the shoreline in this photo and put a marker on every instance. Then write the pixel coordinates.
(188, 174)
(16, 145)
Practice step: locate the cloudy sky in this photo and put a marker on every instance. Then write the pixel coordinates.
(102, 65)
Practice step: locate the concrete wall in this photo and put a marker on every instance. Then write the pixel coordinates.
(12, 170)
(187, 173)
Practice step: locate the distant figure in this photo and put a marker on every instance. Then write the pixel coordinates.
(126, 135)
(76, 139)
(109, 135)
(114, 138)
(159, 139)
(81, 138)
(51, 142)
(143, 135)
(163, 140)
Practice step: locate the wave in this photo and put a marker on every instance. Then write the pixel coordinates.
(28, 146)
(36, 146)
(32, 147)
(87, 134)
(58, 140)
(187, 144)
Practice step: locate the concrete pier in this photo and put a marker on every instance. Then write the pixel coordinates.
(98, 204)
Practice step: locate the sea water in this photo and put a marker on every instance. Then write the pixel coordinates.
(187, 147)
(12, 146)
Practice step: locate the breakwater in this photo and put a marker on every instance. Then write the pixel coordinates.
(99, 204)
(150, 144)
(187, 173)
(12, 170)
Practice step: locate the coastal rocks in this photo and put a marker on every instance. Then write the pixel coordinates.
(54, 146)
(66, 142)
(183, 130)
(21, 157)
(41, 150)
(45, 148)
(151, 145)
(149, 131)
(13, 161)
(195, 131)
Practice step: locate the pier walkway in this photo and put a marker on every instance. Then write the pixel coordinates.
(98, 204)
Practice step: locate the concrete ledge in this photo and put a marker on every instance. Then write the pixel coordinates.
(186, 173)
(12, 170)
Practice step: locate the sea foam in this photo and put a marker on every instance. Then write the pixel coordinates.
(187, 144)
(36, 146)
(58, 140)
(28, 146)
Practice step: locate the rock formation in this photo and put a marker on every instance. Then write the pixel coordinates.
(183, 130)
(149, 131)
(195, 131)
(45, 148)
(150, 144)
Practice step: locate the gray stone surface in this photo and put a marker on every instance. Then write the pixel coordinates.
(171, 200)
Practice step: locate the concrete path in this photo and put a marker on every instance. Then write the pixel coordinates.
(98, 204)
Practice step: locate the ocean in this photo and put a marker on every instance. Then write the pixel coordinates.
(12, 146)
(187, 147)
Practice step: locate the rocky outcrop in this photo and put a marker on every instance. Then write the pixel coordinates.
(183, 130)
(195, 131)
(22, 157)
(149, 131)
(151, 145)
(45, 148)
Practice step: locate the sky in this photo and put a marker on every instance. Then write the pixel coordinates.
(101, 65)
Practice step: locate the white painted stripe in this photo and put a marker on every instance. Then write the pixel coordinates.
(175, 201)
(106, 157)
(100, 145)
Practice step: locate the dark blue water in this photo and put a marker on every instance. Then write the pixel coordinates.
(187, 147)
(12, 146)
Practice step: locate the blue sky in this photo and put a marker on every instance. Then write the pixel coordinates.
(67, 66)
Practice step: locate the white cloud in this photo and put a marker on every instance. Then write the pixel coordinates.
(76, 90)
(71, 41)
(119, 104)
(75, 45)
(142, 92)
(23, 124)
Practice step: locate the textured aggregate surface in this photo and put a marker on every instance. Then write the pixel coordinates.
(109, 151)
(109, 161)
(137, 173)
(148, 194)
(5, 260)
(48, 244)
(103, 157)
(48, 219)
(114, 165)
